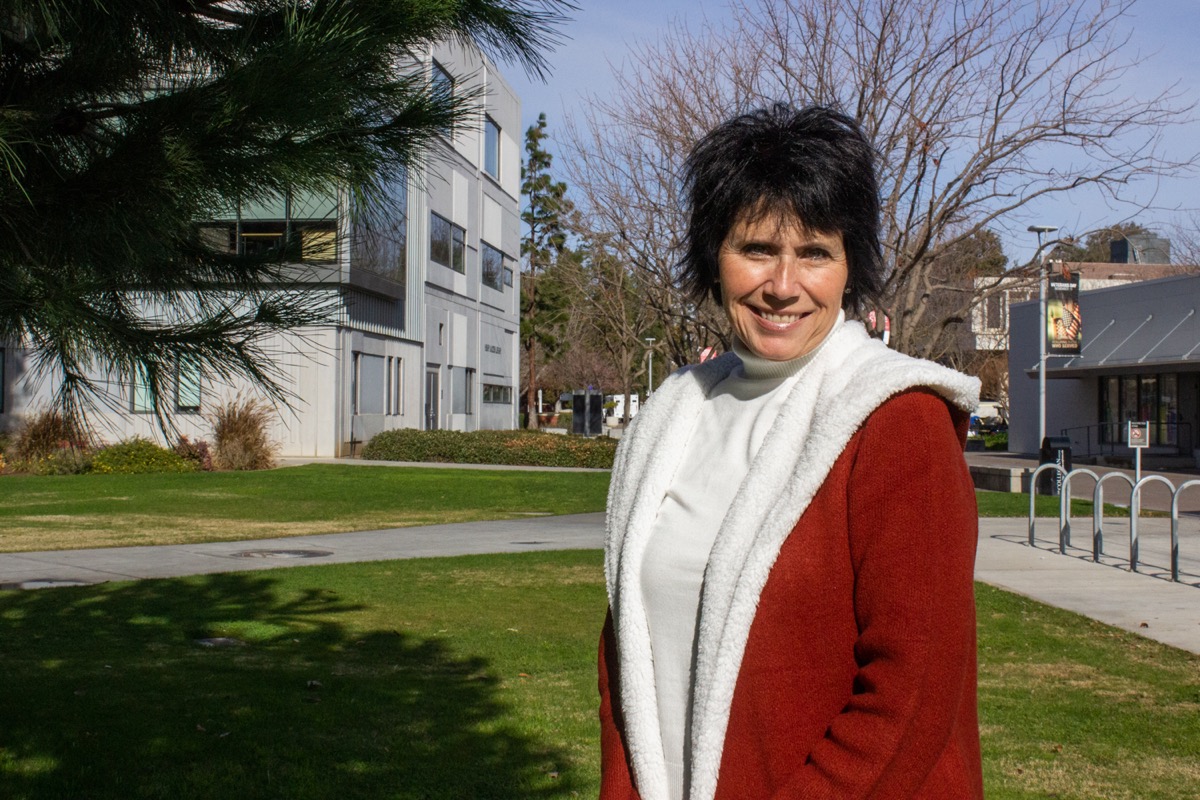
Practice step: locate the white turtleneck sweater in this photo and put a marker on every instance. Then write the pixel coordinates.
(729, 431)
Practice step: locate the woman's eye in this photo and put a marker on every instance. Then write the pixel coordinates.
(753, 249)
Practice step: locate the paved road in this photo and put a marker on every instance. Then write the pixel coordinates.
(1105, 591)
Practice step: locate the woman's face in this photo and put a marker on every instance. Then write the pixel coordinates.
(781, 285)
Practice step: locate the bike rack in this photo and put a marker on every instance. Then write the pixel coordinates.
(1175, 527)
(1033, 494)
(1064, 506)
(1098, 512)
(1133, 515)
(1135, 490)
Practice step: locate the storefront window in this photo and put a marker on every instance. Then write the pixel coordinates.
(1110, 407)
(1168, 409)
(1141, 398)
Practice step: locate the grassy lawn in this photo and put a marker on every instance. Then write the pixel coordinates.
(62, 512)
(474, 677)
(1013, 504)
(58, 512)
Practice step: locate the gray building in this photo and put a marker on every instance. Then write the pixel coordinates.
(424, 292)
(1140, 361)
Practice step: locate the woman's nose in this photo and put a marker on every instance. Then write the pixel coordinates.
(783, 281)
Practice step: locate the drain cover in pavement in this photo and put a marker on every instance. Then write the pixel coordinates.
(533, 542)
(283, 553)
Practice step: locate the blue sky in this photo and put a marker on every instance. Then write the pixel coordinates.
(1164, 33)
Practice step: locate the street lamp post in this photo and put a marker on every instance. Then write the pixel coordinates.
(649, 340)
(1039, 230)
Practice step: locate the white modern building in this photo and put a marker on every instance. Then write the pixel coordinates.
(425, 298)
(1140, 361)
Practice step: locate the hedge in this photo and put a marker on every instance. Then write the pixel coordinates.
(526, 448)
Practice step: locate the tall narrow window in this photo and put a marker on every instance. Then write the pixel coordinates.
(354, 382)
(187, 387)
(387, 403)
(371, 381)
(491, 147)
(443, 87)
(462, 388)
(143, 395)
(492, 267)
(458, 249)
(398, 387)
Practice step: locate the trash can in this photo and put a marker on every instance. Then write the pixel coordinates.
(587, 413)
(1055, 450)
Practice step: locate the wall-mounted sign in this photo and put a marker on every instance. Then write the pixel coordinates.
(493, 348)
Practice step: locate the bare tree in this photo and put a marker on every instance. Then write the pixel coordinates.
(978, 107)
(611, 305)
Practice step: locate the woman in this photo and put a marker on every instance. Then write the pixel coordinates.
(791, 527)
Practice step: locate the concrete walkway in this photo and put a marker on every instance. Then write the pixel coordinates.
(1145, 603)
(1155, 496)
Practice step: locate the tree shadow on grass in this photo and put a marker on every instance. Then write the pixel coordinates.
(106, 693)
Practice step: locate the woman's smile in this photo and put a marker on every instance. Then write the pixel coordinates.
(782, 285)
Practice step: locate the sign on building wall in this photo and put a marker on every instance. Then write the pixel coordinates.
(1064, 325)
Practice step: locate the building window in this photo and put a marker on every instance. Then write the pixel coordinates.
(397, 382)
(993, 313)
(187, 387)
(462, 381)
(491, 147)
(492, 273)
(368, 384)
(508, 276)
(443, 82)
(142, 401)
(447, 243)
(1140, 398)
(443, 87)
(263, 229)
(496, 394)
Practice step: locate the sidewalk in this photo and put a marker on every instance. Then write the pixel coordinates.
(1144, 603)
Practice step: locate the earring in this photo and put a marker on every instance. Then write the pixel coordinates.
(847, 290)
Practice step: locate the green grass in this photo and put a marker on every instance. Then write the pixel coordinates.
(474, 677)
(1013, 504)
(1072, 708)
(57, 512)
(77, 511)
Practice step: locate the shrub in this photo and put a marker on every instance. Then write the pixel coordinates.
(240, 434)
(62, 461)
(138, 455)
(996, 441)
(527, 448)
(45, 433)
(196, 452)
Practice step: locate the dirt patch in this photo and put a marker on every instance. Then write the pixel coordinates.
(66, 531)
(1070, 775)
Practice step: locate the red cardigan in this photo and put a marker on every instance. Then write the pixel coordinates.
(858, 679)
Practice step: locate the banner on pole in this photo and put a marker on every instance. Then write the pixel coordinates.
(1064, 325)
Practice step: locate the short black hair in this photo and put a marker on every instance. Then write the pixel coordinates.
(814, 163)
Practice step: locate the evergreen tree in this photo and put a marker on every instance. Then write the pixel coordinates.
(124, 123)
(543, 307)
(1097, 245)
